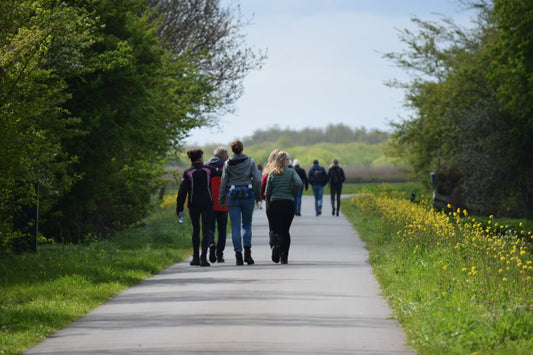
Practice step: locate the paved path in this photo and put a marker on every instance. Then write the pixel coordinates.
(325, 301)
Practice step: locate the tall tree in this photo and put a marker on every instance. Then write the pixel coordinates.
(133, 104)
(40, 46)
(210, 34)
(467, 120)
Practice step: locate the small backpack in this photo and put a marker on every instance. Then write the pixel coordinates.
(335, 175)
(319, 176)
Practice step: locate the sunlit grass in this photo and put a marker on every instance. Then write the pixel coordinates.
(44, 292)
(457, 286)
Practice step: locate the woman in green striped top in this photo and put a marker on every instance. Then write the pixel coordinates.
(282, 185)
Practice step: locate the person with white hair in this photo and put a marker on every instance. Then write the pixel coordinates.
(303, 176)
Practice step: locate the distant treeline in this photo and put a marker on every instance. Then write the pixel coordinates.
(333, 133)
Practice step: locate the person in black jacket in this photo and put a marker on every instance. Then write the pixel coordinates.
(336, 178)
(303, 176)
(196, 184)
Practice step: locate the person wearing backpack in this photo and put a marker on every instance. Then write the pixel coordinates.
(318, 179)
(195, 188)
(336, 178)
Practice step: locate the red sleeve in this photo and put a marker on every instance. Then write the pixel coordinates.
(263, 186)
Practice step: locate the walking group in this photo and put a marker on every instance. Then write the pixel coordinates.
(236, 186)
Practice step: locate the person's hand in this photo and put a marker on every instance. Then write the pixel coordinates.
(180, 216)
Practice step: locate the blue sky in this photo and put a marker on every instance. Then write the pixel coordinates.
(324, 64)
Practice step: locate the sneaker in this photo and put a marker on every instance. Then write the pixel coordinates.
(220, 259)
(275, 254)
(212, 256)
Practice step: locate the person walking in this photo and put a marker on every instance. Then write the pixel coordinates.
(264, 179)
(195, 187)
(239, 189)
(303, 176)
(336, 178)
(283, 184)
(219, 220)
(318, 179)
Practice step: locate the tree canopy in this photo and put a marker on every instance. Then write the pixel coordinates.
(92, 97)
(470, 93)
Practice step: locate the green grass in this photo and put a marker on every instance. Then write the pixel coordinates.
(449, 301)
(44, 292)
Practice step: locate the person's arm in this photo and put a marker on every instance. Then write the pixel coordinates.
(256, 179)
(185, 186)
(263, 186)
(223, 186)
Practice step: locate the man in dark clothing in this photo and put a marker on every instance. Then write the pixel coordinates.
(318, 179)
(303, 176)
(336, 178)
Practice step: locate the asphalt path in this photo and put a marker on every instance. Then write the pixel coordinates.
(324, 301)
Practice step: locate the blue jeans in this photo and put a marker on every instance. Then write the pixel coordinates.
(318, 191)
(237, 208)
(298, 200)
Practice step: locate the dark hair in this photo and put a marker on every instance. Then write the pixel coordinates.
(236, 146)
(195, 154)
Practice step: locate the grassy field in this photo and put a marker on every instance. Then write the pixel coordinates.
(457, 286)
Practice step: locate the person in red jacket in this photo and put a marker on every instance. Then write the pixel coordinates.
(220, 213)
(195, 187)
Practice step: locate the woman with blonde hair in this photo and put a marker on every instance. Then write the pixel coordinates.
(283, 183)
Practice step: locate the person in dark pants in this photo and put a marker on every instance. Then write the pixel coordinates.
(283, 183)
(318, 178)
(195, 187)
(336, 178)
(219, 221)
(298, 199)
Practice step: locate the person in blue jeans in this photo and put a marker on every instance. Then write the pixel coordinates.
(303, 176)
(318, 178)
(240, 188)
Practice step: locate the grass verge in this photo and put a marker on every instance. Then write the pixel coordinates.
(456, 286)
(44, 292)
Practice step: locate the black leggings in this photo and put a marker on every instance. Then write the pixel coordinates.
(336, 190)
(195, 214)
(280, 215)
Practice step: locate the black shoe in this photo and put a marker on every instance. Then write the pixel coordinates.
(248, 256)
(203, 261)
(275, 254)
(238, 258)
(220, 258)
(333, 212)
(212, 256)
(337, 212)
(195, 260)
(284, 258)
